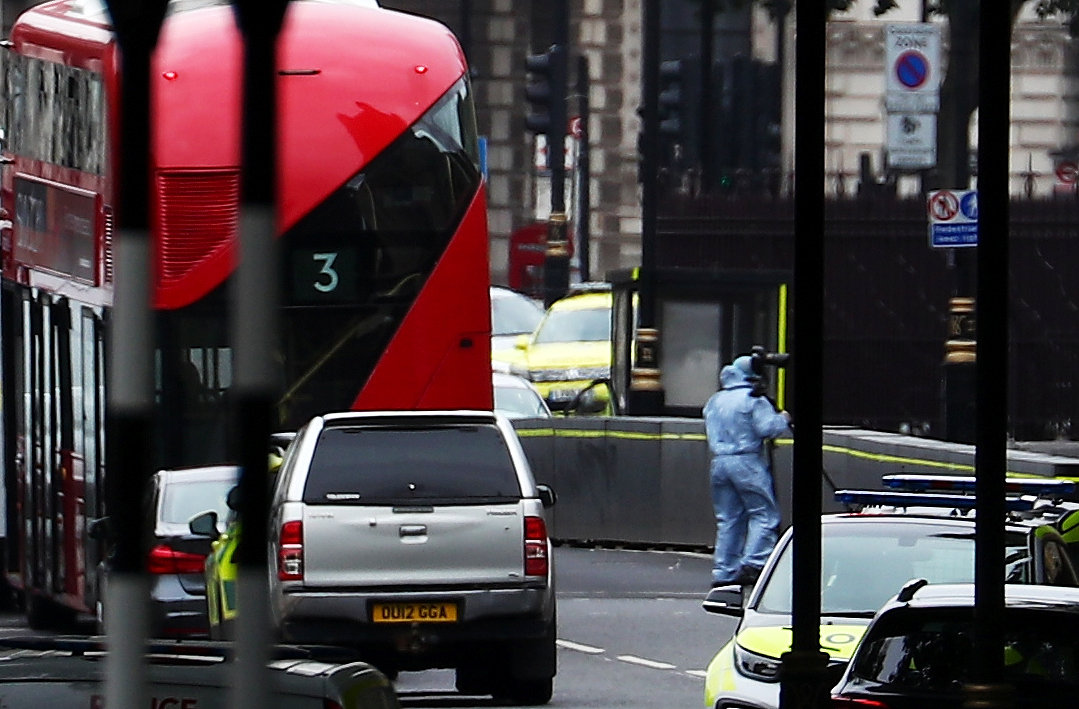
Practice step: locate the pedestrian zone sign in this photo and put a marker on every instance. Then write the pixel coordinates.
(953, 218)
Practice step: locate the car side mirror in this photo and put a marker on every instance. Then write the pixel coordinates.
(588, 401)
(233, 498)
(724, 600)
(204, 524)
(521, 342)
(546, 495)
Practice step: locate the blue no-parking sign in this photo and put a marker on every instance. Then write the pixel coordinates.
(953, 218)
(912, 67)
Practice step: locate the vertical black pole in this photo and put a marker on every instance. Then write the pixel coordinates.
(704, 133)
(803, 672)
(130, 368)
(645, 390)
(253, 328)
(959, 370)
(466, 30)
(556, 262)
(988, 691)
(584, 172)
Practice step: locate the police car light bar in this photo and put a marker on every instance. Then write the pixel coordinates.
(966, 483)
(924, 499)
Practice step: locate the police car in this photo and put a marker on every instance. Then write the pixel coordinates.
(918, 653)
(922, 528)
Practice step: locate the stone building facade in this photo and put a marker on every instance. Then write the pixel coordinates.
(501, 33)
(498, 34)
(1045, 113)
(1044, 107)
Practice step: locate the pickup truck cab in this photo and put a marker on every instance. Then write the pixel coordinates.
(420, 539)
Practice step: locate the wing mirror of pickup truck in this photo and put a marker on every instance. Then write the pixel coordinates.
(546, 495)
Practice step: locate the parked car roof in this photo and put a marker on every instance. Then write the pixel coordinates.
(516, 397)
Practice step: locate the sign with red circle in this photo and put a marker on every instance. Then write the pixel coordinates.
(912, 69)
(575, 128)
(943, 205)
(1067, 172)
(953, 218)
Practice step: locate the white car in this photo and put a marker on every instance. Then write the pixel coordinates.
(513, 314)
(517, 398)
(867, 556)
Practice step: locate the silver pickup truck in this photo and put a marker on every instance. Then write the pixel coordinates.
(420, 539)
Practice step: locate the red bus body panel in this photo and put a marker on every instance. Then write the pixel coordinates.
(350, 82)
(370, 79)
(456, 357)
(45, 258)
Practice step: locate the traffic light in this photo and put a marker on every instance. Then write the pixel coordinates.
(672, 99)
(546, 91)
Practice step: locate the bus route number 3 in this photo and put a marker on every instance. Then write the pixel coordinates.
(326, 280)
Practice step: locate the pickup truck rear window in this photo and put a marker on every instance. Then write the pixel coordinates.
(393, 465)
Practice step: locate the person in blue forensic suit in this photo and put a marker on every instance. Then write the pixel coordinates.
(739, 421)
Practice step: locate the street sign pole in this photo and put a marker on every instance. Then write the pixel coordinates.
(645, 396)
(556, 262)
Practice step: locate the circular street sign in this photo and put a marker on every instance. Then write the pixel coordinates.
(575, 127)
(1067, 172)
(943, 206)
(968, 204)
(912, 69)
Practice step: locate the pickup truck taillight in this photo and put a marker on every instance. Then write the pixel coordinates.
(290, 552)
(536, 561)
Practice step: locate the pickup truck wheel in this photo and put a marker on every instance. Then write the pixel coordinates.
(471, 679)
(527, 692)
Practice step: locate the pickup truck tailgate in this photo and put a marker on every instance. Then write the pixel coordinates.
(353, 545)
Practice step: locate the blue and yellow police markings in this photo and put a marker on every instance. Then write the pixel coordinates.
(837, 640)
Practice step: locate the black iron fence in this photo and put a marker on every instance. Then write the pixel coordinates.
(887, 297)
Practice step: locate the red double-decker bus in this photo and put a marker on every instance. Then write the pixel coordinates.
(381, 225)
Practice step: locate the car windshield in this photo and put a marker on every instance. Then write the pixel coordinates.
(591, 325)
(519, 402)
(182, 500)
(514, 315)
(866, 563)
(932, 650)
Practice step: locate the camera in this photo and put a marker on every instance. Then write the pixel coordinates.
(761, 358)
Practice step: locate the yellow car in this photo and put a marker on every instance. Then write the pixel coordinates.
(571, 349)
